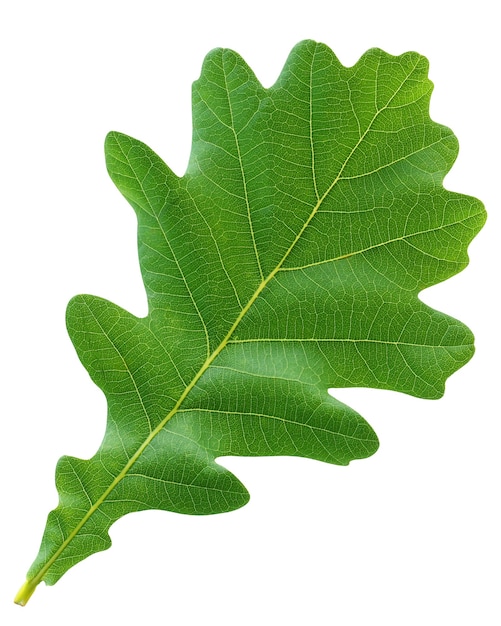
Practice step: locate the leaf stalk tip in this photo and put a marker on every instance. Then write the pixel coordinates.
(25, 593)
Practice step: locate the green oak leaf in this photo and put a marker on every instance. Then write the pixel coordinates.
(287, 260)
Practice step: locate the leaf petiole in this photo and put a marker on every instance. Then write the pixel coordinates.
(26, 591)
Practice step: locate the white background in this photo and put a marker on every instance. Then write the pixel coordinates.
(407, 537)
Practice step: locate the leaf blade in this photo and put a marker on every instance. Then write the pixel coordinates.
(317, 212)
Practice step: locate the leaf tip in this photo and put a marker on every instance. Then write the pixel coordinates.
(111, 140)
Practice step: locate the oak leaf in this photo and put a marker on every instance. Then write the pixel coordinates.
(286, 261)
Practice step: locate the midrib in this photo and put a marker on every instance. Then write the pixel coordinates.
(210, 359)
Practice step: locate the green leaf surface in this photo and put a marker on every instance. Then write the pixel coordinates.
(287, 260)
